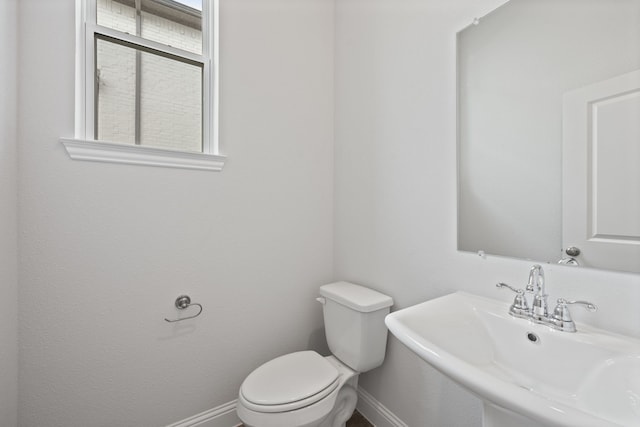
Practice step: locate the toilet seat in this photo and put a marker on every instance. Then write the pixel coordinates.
(289, 382)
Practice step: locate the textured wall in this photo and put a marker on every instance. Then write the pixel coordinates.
(107, 248)
(8, 219)
(395, 193)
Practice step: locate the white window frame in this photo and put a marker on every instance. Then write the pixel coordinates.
(84, 146)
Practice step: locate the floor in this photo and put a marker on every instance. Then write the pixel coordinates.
(356, 420)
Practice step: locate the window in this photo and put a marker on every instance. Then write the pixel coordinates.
(147, 83)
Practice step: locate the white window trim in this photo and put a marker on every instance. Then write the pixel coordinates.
(109, 152)
(82, 147)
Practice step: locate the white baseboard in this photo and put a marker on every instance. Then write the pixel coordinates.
(221, 416)
(225, 415)
(376, 412)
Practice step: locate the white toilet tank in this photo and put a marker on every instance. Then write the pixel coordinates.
(354, 324)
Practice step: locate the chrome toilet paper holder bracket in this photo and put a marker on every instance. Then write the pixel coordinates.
(182, 303)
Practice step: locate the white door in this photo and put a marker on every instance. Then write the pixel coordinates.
(601, 173)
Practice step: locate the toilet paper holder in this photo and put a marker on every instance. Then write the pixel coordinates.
(182, 303)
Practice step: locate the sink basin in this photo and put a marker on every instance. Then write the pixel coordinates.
(582, 379)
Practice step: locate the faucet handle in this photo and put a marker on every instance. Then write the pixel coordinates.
(562, 317)
(589, 306)
(562, 305)
(504, 285)
(519, 308)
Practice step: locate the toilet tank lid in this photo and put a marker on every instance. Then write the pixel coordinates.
(356, 297)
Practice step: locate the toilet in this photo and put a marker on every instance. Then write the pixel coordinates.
(305, 389)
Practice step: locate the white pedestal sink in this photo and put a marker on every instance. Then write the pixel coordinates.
(527, 374)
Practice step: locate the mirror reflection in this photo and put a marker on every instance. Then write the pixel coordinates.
(549, 133)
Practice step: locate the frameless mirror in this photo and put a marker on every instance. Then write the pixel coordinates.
(549, 133)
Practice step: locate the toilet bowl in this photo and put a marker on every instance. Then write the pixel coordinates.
(300, 389)
(305, 389)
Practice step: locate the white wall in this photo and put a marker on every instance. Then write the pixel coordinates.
(8, 219)
(107, 248)
(395, 193)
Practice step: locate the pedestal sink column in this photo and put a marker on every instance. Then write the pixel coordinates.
(494, 416)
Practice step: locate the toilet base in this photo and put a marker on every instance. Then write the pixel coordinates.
(343, 409)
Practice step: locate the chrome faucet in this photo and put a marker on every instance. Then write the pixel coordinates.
(535, 285)
(539, 310)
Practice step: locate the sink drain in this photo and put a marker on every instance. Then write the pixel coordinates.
(534, 338)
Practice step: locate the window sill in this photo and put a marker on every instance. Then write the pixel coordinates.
(98, 151)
